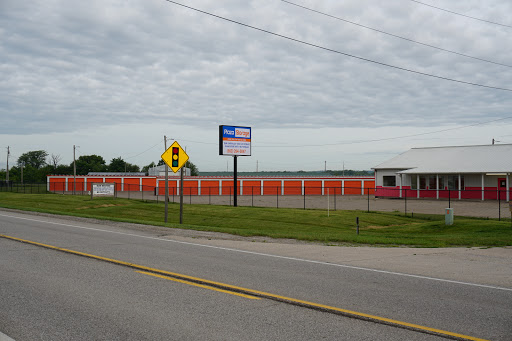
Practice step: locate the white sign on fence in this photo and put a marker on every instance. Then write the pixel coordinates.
(103, 189)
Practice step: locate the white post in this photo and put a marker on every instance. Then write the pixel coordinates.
(508, 187)
(401, 185)
(483, 187)
(437, 186)
(418, 186)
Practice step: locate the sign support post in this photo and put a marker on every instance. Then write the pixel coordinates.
(235, 141)
(235, 181)
(166, 183)
(181, 196)
(174, 157)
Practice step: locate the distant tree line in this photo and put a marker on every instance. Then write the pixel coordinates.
(34, 166)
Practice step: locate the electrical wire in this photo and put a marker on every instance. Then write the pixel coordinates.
(256, 146)
(462, 15)
(388, 138)
(396, 36)
(147, 150)
(339, 52)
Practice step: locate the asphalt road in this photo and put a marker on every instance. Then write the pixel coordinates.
(47, 294)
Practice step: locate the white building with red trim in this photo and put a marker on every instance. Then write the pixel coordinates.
(461, 172)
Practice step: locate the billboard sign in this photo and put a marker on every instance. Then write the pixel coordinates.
(103, 189)
(234, 141)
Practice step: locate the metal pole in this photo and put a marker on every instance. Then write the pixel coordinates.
(368, 199)
(499, 205)
(277, 198)
(74, 170)
(235, 201)
(7, 170)
(166, 182)
(181, 196)
(405, 201)
(304, 189)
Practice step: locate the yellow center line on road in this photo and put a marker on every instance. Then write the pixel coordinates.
(199, 285)
(262, 294)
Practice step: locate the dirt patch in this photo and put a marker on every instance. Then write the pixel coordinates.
(98, 206)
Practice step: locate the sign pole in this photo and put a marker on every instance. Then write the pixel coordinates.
(235, 180)
(166, 183)
(181, 195)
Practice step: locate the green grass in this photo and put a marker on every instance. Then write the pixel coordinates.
(376, 228)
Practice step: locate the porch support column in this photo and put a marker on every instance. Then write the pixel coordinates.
(418, 186)
(401, 185)
(437, 186)
(508, 187)
(483, 186)
(460, 189)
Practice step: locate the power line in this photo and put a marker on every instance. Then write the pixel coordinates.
(339, 52)
(462, 15)
(389, 138)
(396, 36)
(365, 141)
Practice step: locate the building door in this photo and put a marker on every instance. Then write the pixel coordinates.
(502, 188)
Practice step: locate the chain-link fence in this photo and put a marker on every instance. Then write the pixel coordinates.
(495, 204)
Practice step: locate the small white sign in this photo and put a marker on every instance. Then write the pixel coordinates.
(103, 189)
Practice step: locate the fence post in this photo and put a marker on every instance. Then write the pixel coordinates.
(368, 190)
(335, 198)
(277, 198)
(499, 205)
(304, 190)
(406, 202)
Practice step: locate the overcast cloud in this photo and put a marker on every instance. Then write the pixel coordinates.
(115, 76)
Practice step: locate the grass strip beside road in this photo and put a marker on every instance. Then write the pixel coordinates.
(376, 228)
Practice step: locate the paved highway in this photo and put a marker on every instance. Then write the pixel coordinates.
(137, 283)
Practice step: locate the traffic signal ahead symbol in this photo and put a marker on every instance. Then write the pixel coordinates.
(175, 157)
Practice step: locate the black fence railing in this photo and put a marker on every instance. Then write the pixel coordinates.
(490, 203)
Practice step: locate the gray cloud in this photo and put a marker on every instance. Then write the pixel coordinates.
(68, 64)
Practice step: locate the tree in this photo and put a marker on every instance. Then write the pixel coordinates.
(89, 163)
(54, 160)
(36, 159)
(193, 168)
(145, 169)
(119, 165)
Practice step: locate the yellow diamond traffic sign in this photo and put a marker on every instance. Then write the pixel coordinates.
(175, 157)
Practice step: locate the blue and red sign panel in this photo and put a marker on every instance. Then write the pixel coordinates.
(234, 141)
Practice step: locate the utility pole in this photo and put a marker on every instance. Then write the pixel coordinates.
(74, 170)
(166, 182)
(7, 173)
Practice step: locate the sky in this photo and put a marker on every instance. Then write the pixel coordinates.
(322, 84)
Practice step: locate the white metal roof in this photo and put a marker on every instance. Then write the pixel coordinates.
(461, 159)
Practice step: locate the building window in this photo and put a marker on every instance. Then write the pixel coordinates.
(389, 181)
(423, 182)
(414, 182)
(453, 182)
(432, 182)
